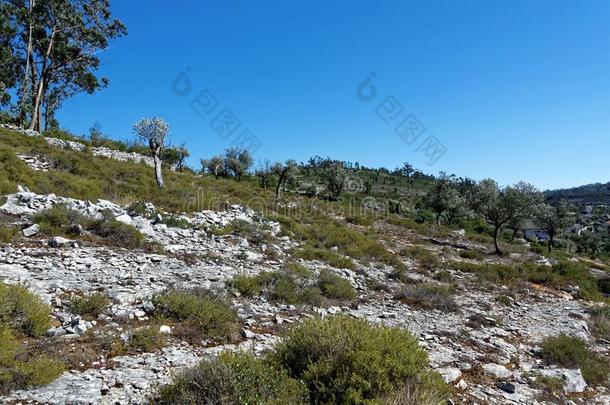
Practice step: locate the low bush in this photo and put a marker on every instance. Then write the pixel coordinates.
(335, 287)
(57, 219)
(118, 233)
(360, 220)
(349, 361)
(200, 309)
(23, 311)
(92, 305)
(233, 379)
(309, 252)
(295, 285)
(426, 259)
(472, 255)
(146, 339)
(8, 234)
(599, 322)
(572, 352)
(18, 371)
(428, 296)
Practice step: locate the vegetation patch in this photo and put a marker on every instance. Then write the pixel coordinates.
(428, 296)
(91, 305)
(8, 233)
(295, 285)
(204, 311)
(599, 322)
(349, 361)
(572, 352)
(23, 311)
(238, 378)
(426, 259)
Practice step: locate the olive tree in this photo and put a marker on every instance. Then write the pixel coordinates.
(283, 172)
(444, 198)
(238, 161)
(552, 219)
(334, 176)
(215, 165)
(264, 172)
(500, 205)
(154, 131)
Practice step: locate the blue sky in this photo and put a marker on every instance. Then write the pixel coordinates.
(513, 90)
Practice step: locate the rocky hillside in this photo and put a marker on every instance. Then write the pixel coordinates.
(138, 289)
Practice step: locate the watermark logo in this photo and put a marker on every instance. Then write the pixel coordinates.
(391, 111)
(224, 122)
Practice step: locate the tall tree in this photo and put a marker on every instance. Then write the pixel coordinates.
(238, 161)
(154, 131)
(56, 45)
(283, 172)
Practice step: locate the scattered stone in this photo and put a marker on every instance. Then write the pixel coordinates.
(506, 386)
(450, 374)
(31, 230)
(496, 370)
(165, 329)
(574, 382)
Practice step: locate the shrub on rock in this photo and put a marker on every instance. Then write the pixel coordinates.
(23, 311)
(233, 379)
(201, 309)
(350, 361)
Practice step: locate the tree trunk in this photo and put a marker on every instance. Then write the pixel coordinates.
(158, 173)
(22, 112)
(551, 242)
(512, 238)
(496, 244)
(38, 100)
(438, 218)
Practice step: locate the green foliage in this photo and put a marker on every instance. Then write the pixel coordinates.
(427, 259)
(8, 234)
(360, 220)
(118, 233)
(568, 351)
(201, 309)
(599, 322)
(237, 378)
(56, 220)
(295, 285)
(471, 255)
(349, 361)
(335, 287)
(18, 374)
(92, 305)
(552, 384)
(428, 296)
(309, 252)
(146, 339)
(23, 311)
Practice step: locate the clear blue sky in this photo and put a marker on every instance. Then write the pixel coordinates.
(513, 89)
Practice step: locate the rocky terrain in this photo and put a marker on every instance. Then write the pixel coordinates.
(486, 350)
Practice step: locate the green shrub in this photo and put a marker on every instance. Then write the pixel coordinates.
(58, 218)
(8, 234)
(233, 379)
(201, 309)
(16, 373)
(599, 322)
(430, 389)
(23, 311)
(360, 220)
(568, 351)
(349, 361)
(92, 305)
(472, 255)
(309, 252)
(335, 287)
(428, 296)
(295, 285)
(146, 339)
(118, 233)
(427, 259)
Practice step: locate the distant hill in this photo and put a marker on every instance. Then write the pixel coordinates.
(593, 194)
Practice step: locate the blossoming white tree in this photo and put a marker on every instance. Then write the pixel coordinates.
(154, 131)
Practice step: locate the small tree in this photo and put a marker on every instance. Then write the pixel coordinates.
(501, 205)
(154, 131)
(215, 166)
(238, 161)
(264, 172)
(553, 219)
(444, 198)
(334, 176)
(284, 172)
(183, 154)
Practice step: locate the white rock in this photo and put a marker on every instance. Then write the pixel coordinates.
(574, 382)
(450, 374)
(496, 370)
(165, 329)
(31, 230)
